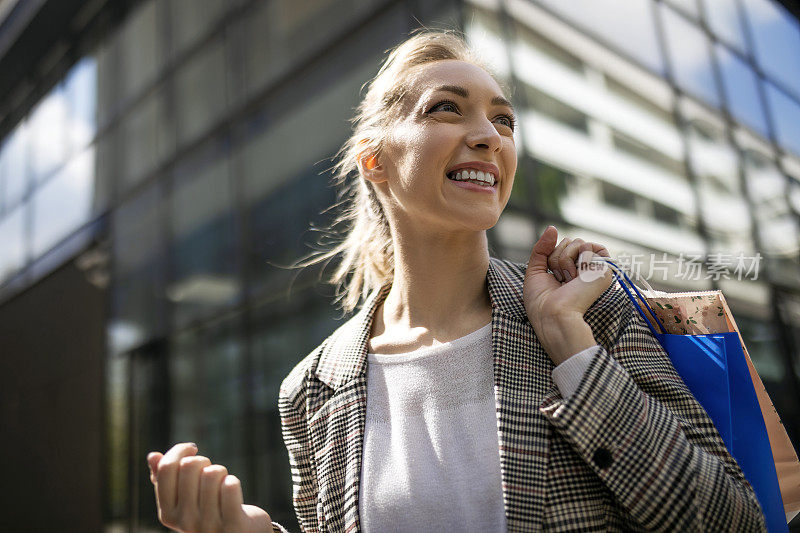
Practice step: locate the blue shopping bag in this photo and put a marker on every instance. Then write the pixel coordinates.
(714, 368)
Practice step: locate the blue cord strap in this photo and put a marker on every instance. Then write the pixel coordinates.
(633, 298)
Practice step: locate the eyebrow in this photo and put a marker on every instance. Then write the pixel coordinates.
(462, 92)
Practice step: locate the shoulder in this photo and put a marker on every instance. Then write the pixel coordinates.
(611, 306)
(295, 386)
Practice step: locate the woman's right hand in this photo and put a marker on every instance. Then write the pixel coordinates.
(195, 496)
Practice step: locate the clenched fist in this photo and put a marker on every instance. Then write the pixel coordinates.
(195, 496)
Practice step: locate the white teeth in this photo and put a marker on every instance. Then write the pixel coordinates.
(480, 176)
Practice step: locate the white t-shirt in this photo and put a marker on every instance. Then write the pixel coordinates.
(431, 459)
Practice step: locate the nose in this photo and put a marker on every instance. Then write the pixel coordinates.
(484, 135)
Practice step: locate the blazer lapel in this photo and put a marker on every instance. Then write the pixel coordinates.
(521, 373)
(521, 379)
(337, 426)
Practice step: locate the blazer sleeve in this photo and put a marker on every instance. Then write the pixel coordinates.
(292, 409)
(636, 424)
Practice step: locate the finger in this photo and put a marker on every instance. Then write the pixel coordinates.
(231, 500)
(541, 250)
(568, 257)
(189, 484)
(152, 462)
(210, 480)
(552, 261)
(167, 475)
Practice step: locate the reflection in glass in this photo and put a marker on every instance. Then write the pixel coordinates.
(207, 390)
(191, 20)
(48, 128)
(12, 243)
(786, 117)
(141, 50)
(762, 343)
(688, 49)
(80, 91)
(137, 293)
(13, 166)
(283, 333)
(201, 84)
(722, 204)
(723, 19)
(280, 33)
(203, 253)
(688, 6)
(63, 203)
(625, 24)
(291, 208)
(741, 90)
(777, 225)
(777, 41)
(148, 138)
(269, 157)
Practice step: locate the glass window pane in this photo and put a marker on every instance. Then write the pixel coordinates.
(200, 84)
(64, 203)
(137, 296)
(321, 122)
(777, 41)
(688, 6)
(207, 389)
(141, 50)
(722, 203)
(776, 224)
(625, 24)
(48, 128)
(281, 33)
(723, 19)
(192, 19)
(12, 243)
(204, 254)
(14, 166)
(786, 117)
(148, 139)
(283, 333)
(80, 91)
(688, 49)
(741, 89)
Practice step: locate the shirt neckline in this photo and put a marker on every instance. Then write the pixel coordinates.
(466, 340)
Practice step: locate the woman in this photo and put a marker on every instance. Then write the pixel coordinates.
(470, 393)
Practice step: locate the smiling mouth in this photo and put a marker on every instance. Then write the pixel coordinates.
(485, 179)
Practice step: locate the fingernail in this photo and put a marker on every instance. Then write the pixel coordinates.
(567, 275)
(558, 275)
(193, 444)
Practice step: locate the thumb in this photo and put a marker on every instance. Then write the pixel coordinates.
(542, 250)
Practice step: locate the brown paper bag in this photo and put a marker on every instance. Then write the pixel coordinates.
(681, 314)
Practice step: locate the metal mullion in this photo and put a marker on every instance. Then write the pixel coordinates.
(682, 125)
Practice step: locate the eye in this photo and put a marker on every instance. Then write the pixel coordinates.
(509, 121)
(443, 106)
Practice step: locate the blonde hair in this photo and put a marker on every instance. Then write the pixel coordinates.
(367, 252)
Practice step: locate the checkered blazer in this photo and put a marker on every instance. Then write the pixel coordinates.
(631, 450)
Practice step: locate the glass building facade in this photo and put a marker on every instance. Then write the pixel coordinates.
(177, 153)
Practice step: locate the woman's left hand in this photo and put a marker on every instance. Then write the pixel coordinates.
(555, 302)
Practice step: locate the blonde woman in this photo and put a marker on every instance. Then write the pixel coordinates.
(470, 393)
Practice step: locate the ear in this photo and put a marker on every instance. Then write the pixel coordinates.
(370, 168)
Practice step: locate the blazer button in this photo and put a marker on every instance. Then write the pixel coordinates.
(602, 458)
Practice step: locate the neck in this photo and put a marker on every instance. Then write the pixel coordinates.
(438, 280)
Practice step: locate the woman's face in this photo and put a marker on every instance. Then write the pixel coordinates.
(453, 119)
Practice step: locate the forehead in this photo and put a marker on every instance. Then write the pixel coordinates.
(428, 77)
